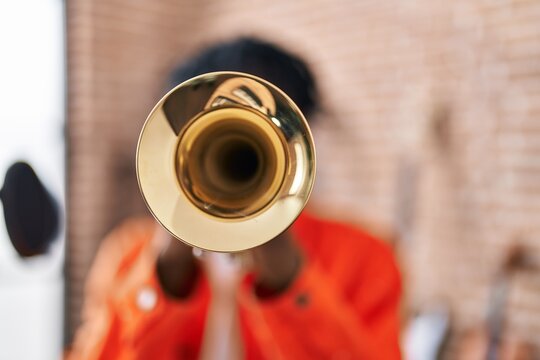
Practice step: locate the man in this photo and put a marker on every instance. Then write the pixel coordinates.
(320, 290)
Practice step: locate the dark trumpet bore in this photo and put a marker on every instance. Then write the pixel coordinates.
(238, 162)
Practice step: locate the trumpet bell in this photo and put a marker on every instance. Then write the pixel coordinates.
(225, 161)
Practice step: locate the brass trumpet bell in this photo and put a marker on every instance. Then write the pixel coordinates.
(225, 161)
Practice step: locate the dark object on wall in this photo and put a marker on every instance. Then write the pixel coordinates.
(30, 212)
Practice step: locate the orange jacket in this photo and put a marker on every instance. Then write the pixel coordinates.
(343, 304)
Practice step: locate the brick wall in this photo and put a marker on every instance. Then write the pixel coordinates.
(430, 124)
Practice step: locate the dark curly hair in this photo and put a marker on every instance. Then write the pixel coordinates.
(258, 58)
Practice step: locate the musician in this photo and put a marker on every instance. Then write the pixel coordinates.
(321, 290)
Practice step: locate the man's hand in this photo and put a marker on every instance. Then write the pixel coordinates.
(177, 268)
(277, 263)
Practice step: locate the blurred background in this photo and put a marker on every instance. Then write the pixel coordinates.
(32, 93)
(429, 137)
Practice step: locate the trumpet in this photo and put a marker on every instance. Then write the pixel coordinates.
(225, 161)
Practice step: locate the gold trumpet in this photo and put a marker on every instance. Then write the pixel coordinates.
(225, 161)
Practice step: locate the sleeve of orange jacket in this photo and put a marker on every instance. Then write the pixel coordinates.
(314, 319)
(123, 298)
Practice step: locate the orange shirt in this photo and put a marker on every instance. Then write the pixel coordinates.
(343, 304)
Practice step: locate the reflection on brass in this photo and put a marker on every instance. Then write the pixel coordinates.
(225, 161)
